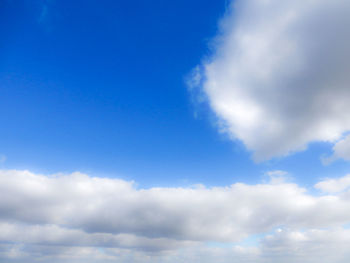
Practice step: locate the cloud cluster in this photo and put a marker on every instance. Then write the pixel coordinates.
(279, 77)
(73, 212)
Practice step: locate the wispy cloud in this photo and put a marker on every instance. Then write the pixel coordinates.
(3, 158)
(46, 14)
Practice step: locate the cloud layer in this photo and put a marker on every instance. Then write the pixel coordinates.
(77, 216)
(279, 78)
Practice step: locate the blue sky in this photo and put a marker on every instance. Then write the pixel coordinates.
(171, 94)
(102, 89)
(85, 87)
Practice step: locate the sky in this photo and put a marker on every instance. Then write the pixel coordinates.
(174, 131)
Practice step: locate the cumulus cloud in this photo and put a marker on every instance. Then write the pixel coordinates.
(279, 77)
(76, 216)
(334, 185)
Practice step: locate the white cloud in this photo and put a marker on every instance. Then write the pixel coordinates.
(279, 78)
(313, 245)
(276, 173)
(277, 176)
(334, 185)
(341, 150)
(77, 217)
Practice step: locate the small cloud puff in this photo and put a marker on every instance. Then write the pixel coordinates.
(334, 185)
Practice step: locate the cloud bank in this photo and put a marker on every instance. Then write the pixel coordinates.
(67, 218)
(280, 74)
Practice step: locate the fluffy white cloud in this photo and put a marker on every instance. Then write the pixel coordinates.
(279, 78)
(334, 185)
(76, 217)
